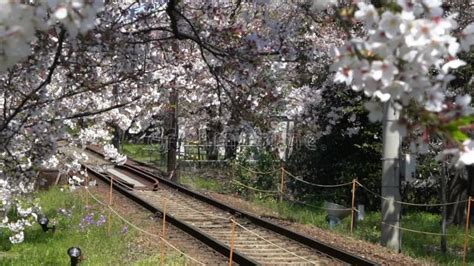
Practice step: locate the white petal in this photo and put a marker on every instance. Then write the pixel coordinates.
(452, 64)
(463, 100)
(382, 96)
(61, 13)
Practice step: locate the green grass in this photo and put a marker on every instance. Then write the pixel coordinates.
(142, 152)
(201, 183)
(98, 246)
(421, 246)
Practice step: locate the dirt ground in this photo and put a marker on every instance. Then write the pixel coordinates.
(145, 246)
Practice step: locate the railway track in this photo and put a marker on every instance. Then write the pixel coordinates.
(254, 241)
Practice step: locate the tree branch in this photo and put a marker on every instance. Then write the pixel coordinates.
(47, 81)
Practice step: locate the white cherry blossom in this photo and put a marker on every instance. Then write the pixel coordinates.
(390, 24)
(396, 60)
(367, 14)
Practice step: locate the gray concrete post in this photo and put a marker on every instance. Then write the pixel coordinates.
(391, 235)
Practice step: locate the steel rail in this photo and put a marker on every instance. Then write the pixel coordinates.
(194, 232)
(327, 249)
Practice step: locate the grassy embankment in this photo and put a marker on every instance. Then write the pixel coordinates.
(77, 225)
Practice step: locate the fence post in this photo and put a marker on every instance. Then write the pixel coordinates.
(163, 234)
(468, 221)
(110, 204)
(282, 181)
(232, 238)
(87, 187)
(353, 205)
(232, 169)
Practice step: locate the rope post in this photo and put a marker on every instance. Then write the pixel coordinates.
(282, 181)
(354, 181)
(466, 233)
(232, 169)
(87, 186)
(110, 205)
(163, 234)
(232, 238)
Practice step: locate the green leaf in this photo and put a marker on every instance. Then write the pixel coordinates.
(458, 135)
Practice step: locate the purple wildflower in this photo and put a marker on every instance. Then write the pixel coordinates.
(101, 220)
(124, 230)
(89, 219)
(86, 221)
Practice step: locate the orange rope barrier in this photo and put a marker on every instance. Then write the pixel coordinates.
(416, 231)
(297, 178)
(317, 207)
(409, 203)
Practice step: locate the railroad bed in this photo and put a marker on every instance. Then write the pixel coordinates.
(254, 241)
(182, 240)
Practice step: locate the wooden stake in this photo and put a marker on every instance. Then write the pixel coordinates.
(232, 166)
(468, 222)
(163, 234)
(232, 238)
(58, 177)
(87, 186)
(282, 181)
(353, 205)
(110, 204)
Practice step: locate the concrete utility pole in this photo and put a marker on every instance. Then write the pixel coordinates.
(391, 236)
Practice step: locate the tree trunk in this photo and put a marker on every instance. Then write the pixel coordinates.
(232, 137)
(172, 135)
(457, 191)
(391, 210)
(117, 139)
(231, 143)
(212, 134)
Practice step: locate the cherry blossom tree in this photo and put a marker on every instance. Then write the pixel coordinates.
(72, 77)
(404, 62)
